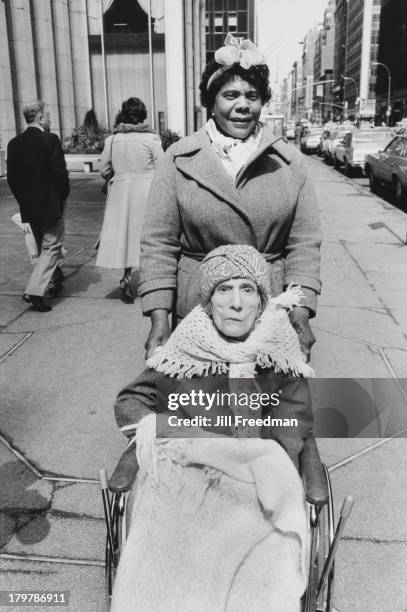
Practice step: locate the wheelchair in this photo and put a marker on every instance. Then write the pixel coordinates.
(325, 538)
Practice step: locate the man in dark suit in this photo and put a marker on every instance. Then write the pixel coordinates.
(38, 178)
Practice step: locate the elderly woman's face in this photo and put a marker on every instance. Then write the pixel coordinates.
(237, 108)
(235, 305)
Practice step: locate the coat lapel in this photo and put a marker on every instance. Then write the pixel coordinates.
(268, 141)
(198, 160)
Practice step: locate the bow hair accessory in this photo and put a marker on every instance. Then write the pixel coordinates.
(234, 51)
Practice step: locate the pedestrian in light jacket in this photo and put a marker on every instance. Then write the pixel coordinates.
(232, 182)
(38, 178)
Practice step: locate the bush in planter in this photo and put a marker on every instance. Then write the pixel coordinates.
(168, 137)
(88, 138)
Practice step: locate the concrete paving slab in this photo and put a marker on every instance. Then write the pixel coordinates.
(91, 355)
(67, 539)
(393, 294)
(370, 577)
(82, 499)
(334, 356)
(367, 325)
(10, 307)
(84, 583)
(378, 482)
(342, 294)
(94, 282)
(8, 341)
(333, 450)
(398, 359)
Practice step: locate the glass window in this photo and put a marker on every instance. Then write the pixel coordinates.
(218, 22)
(403, 152)
(242, 22)
(232, 22)
(392, 146)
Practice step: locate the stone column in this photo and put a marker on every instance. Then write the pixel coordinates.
(7, 120)
(63, 56)
(21, 56)
(80, 57)
(93, 12)
(45, 59)
(175, 65)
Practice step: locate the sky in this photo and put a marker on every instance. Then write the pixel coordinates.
(281, 25)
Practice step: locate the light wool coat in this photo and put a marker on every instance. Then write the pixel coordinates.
(194, 207)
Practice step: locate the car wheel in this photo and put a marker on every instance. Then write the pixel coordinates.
(400, 194)
(348, 168)
(373, 182)
(327, 159)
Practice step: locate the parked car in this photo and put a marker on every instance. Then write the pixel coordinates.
(324, 136)
(330, 143)
(310, 140)
(352, 150)
(389, 167)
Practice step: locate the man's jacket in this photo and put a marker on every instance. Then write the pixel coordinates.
(37, 175)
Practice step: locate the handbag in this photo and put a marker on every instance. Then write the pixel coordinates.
(29, 238)
(110, 174)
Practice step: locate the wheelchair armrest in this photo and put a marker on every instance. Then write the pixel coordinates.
(312, 474)
(125, 472)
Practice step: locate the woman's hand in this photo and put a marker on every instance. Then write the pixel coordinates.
(159, 332)
(299, 320)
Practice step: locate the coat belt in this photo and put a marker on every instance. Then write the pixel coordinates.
(269, 257)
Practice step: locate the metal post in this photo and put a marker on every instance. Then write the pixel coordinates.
(102, 40)
(388, 88)
(150, 53)
(388, 96)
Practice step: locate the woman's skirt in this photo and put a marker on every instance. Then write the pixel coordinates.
(121, 231)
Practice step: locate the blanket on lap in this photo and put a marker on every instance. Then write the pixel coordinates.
(216, 525)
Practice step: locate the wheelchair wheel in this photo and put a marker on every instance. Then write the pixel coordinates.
(322, 534)
(118, 533)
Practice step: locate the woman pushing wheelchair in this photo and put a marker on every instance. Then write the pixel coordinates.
(217, 423)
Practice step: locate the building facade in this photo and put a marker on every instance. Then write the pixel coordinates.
(361, 53)
(308, 58)
(223, 16)
(393, 54)
(323, 66)
(341, 23)
(82, 54)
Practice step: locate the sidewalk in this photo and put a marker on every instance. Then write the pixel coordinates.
(61, 371)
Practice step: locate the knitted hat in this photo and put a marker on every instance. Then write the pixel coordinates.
(233, 261)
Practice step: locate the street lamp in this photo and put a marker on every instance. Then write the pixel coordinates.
(347, 78)
(388, 88)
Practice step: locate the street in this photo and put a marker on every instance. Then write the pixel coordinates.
(61, 371)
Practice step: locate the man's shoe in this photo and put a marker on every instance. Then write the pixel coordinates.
(26, 298)
(38, 303)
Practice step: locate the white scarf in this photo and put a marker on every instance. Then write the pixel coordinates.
(195, 348)
(233, 152)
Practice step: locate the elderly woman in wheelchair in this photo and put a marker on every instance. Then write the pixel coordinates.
(219, 425)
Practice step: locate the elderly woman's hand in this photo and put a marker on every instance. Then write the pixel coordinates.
(159, 332)
(299, 320)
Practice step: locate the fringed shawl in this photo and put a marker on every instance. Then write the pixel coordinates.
(195, 348)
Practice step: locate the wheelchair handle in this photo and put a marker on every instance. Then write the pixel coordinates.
(344, 515)
(347, 506)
